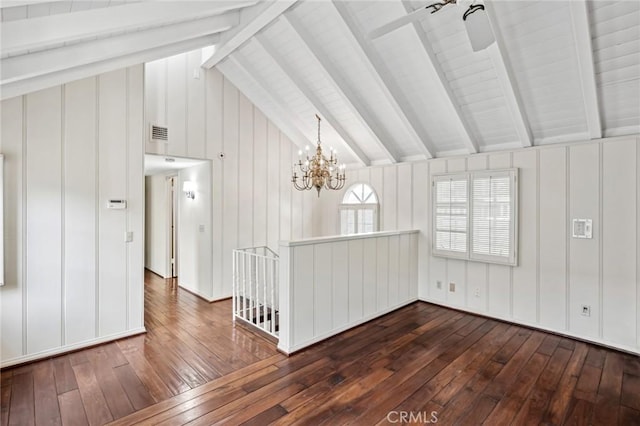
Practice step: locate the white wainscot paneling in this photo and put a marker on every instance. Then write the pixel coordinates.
(584, 259)
(334, 285)
(620, 233)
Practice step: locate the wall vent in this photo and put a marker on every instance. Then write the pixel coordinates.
(159, 133)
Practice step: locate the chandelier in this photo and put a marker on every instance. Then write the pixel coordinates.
(317, 171)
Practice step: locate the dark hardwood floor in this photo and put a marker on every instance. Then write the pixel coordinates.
(421, 363)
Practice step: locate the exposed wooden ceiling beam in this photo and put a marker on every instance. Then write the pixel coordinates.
(497, 54)
(582, 38)
(318, 105)
(254, 19)
(236, 66)
(26, 72)
(464, 128)
(386, 82)
(55, 31)
(325, 65)
(31, 84)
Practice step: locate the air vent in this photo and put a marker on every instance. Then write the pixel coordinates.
(159, 133)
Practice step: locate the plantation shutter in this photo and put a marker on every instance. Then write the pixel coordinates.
(493, 216)
(451, 214)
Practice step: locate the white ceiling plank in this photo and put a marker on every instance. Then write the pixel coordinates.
(464, 128)
(80, 54)
(582, 37)
(325, 65)
(497, 53)
(23, 36)
(381, 74)
(318, 105)
(277, 112)
(254, 19)
(32, 84)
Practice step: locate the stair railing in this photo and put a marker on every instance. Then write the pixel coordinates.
(255, 288)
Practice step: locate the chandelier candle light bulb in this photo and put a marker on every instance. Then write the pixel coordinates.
(317, 171)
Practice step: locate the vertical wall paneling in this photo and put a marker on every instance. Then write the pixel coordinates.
(500, 292)
(195, 106)
(135, 193)
(176, 105)
(230, 181)
(303, 318)
(286, 156)
(72, 281)
(273, 187)
(477, 272)
(405, 197)
(584, 202)
(404, 267)
(260, 178)
(619, 194)
(336, 283)
(389, 199)
(214, 122)
(356, 285)
(79, 210)
(553, 237)
(369, 278)
(525, 274)
(382, 273)
(421, 204)
(12, 325)
(246, 171)
(44, 220)
(437, 265)
(322, 289)
(113, 185)
(340, 283)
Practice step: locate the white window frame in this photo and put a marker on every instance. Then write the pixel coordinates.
(1, 220)
(362, 206)
(512, 259)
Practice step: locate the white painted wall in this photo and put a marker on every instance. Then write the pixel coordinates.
(194, 231)
(156, 223)
(253, 202)
(328, 285)
(556, 274)
(71, 279)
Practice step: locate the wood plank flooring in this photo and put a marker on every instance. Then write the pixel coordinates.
(421, 363)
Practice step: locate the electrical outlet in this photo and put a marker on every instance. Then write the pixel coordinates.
(452, 286)
(439, 285)
(477, 292)
(128, 237)
(586, 310)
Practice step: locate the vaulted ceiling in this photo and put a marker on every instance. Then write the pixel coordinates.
(559, 71)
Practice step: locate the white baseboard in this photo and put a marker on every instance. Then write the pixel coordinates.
(298, 346)
(624, 348)
(69, 348)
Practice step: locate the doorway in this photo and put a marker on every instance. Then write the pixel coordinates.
(178, 214)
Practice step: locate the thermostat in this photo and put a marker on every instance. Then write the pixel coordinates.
(582, 228)
(117, 204)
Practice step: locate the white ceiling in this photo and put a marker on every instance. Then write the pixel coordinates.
(164, 164)
(560, 71)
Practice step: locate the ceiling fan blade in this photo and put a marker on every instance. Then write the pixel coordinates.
(397, 23)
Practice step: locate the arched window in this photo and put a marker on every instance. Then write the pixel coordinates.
(359, 210)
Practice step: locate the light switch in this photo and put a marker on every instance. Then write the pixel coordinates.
(201, 228)
(128, 237)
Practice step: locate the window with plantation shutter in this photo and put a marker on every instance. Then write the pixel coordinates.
(451, 214)
(475, 216)
(493, 196)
